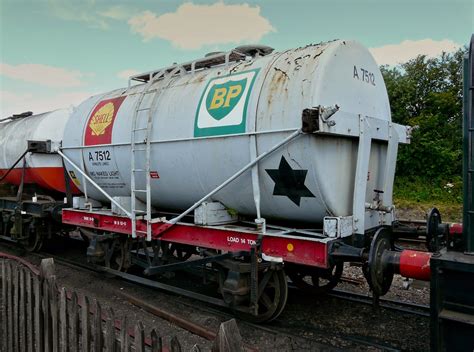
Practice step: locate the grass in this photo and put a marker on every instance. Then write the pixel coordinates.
(413, 197)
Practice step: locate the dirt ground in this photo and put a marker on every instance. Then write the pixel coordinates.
(309, 323)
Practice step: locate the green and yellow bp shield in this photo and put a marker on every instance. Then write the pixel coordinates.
(223, 105)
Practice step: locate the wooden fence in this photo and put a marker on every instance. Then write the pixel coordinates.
(37, 315)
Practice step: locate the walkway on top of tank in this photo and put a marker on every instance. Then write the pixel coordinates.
(212, 59)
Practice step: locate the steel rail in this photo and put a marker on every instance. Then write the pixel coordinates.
(400, 306)
(279, 331)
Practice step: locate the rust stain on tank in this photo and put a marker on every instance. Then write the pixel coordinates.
(278, 83)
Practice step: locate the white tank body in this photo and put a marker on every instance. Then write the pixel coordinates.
(203, 127)
(46, 170)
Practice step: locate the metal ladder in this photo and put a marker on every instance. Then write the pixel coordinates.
(137, 147)
(143, 145)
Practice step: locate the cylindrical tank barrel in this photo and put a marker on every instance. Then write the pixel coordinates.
(45, 170)
(208, 123)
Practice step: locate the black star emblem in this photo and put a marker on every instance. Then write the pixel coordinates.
(289, 182)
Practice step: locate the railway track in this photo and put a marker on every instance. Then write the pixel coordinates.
(396, 305)
(292, 331)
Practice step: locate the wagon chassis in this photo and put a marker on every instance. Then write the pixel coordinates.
(248, 258)
(30, 220)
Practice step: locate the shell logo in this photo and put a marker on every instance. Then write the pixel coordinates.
(101, 121)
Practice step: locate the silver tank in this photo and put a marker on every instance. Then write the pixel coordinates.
(203, 128)
(45, 170)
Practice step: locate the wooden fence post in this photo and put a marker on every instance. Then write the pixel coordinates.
(74, 323)
(47, 268)
(4, 305)
(156, 342)
(29, 312)
(85, 333)
(16, 339)
(38, 285)
(175, 346)
(228, 338)
(22, 327)
(54, 313)
(124, 338)
(98, 327)
(63, 319)
(110, 344)
(46, 317)
(10, 306)
(47, 274)
(139, 340)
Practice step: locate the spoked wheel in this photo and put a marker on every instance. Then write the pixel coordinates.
(34, 243)
(117, 254)
(273, 287)
(316, 281)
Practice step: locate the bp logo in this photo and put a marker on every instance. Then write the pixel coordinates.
(223, 105)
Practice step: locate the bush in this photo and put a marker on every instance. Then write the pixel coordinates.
(427, 94)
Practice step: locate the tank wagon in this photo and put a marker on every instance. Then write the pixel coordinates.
(253, 163)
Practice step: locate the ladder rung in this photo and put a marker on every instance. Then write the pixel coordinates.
(139, 170)
(139, 190)
(139, 149)
(140, 129)
(137, 211)
(143, 109)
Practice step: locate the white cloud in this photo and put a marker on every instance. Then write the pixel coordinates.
(125, 74)
(409, 49)
(14, 103)
(88, 12)
(193, 26)
(118, 12)
(80, 11)
(44, 75)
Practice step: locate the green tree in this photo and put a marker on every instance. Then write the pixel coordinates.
(427, 93)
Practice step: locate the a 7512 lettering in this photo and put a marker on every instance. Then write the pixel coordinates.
(364, 75)
(99, 155)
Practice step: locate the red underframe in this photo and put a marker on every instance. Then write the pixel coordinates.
(292, 250)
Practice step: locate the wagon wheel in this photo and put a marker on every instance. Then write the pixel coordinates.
(117, 255)
(34, 242)
(272, 299)
(316, 281)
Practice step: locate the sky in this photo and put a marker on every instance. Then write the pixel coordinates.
(56, 53)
